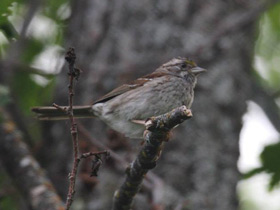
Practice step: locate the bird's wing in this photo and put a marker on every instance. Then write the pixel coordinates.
(127, 87)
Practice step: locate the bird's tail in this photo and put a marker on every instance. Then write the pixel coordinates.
(52, 113)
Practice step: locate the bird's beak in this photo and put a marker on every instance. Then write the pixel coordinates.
(197, 70)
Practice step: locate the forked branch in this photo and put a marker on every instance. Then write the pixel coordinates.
(156, 133)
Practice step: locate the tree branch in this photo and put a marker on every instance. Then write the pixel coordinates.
(152, 182)
(25, 171)
(156, 133)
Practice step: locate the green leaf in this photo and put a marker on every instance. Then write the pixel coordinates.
(274, 15)
(52, 7)
(8, 30)
(267, 46)
(29, 93)
(253, 172)
(270, 157)
(4, 10)
(274, 78)
(33, 49)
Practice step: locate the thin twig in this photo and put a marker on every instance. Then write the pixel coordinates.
(63, 109)
(70, 58)
(95, 163)
(157, 132)
(74, 73)
(83, 131)
(89, 154)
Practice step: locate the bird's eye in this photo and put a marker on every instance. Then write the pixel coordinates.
(183, 65)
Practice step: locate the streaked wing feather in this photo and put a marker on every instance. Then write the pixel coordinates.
(127, 87)
(118, 91)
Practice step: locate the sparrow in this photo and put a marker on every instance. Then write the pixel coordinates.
(126, 108)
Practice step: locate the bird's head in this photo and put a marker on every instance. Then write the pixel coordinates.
(183, 67)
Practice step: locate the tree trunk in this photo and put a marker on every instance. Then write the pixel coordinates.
(118, 41)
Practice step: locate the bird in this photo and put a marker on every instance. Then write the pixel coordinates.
(126, 108)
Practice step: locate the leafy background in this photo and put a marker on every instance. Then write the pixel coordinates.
(267, 60)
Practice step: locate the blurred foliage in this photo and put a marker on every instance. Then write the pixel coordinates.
(25, 87)
(7, 9)
(29, 93)
(30, 86)
(34, 48)
(55, 10)
(267, 62)
(267, 48)
(270, 157)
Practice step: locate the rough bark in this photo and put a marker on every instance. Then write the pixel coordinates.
(25, 171)
(156, 134)
(118, 41)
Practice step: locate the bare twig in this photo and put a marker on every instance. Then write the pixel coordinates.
(95, 163)
(83, 131)
(89, 154)
(70, 58)
(156, 133)
(74, 73)
(63, 109)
